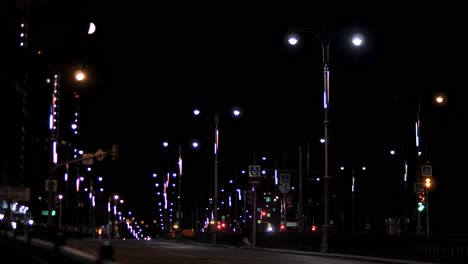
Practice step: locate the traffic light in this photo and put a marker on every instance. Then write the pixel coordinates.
(421, 202)
(421, 206)
(428, 182)
(248, 197)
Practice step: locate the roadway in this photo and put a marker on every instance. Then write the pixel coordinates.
(163, 251)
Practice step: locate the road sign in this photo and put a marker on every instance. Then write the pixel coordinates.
(284, 188)
(87, 159)
(51, 185)
(18, 194)
(254, 170)
(100, 154)
(418, 187)
(285, 178)
(426, 170)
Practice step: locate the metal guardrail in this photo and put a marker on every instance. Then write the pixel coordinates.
(25, 248)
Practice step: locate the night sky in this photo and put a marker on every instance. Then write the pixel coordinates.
(149, 66)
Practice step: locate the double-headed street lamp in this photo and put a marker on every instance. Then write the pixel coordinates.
(236, 113)
(109, 209)
(194, 145)
(353, 194)
(325, 47)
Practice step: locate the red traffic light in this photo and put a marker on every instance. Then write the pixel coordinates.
(421, 197)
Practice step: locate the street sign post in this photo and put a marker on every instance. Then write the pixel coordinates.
(284, 188)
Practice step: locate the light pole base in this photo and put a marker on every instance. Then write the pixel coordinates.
(419, 230)
(324, 245)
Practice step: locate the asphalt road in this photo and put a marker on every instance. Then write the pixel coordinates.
(160, 251)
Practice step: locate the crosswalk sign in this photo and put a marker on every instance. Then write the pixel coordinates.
(418, 188)
(254, 171)
(426, 171)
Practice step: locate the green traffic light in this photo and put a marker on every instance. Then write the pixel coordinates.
(421, 206)
(52, 213)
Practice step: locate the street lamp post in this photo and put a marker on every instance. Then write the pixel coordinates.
(325, 47)
(108, 217)
(60, 197)
(116, 197)
(353, 200)
(236, 112)
(216, 145)
(440, 100)
(353, 195)
(405, 189)
(179, 205)
(194, 145)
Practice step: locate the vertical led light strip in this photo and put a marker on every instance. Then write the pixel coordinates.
(417, 134)
(405, 176)
(216, 141)
(326, 92)
(53, 120)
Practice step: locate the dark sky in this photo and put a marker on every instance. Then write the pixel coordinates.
(149, 65)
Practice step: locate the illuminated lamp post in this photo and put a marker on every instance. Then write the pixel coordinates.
(178, 226)
(405, 194)
(236, 112)
(441, 100)
(60, 197)
(116, 197)
(325, 40)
